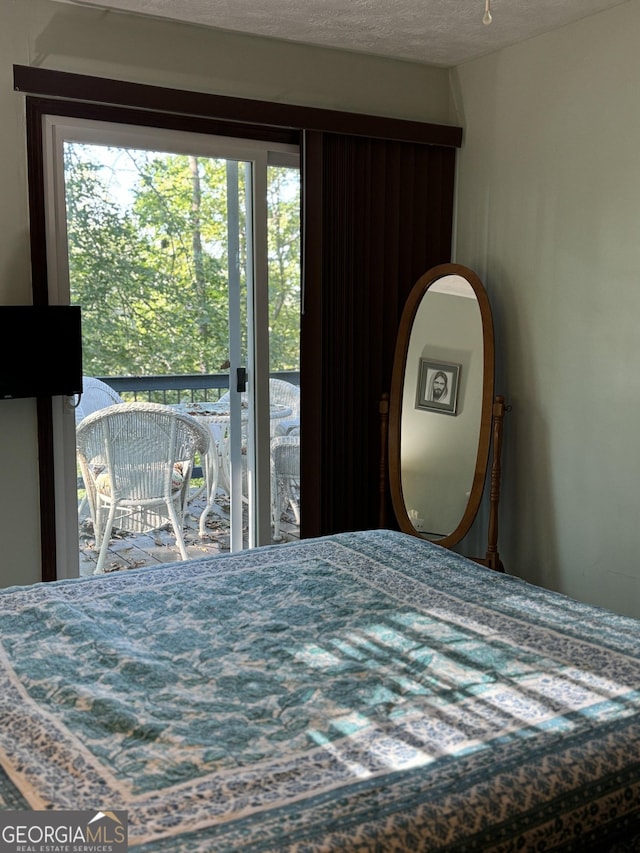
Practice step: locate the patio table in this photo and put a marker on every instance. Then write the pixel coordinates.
(217, 417)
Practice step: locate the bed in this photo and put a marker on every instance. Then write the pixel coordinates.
(358, 692)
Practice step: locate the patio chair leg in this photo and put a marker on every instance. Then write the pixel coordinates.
(177, 529)
(277, 513)
(212, 480)
(104, 539)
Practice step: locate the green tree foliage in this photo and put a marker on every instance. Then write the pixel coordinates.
(283, 205)
(149, 265)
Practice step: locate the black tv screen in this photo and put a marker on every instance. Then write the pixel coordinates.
(40, 350)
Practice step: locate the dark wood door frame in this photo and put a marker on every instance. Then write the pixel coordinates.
(66, 94)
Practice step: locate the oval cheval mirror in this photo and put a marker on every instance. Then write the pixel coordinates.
(441, 418)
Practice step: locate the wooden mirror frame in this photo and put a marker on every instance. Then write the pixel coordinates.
(488, 409)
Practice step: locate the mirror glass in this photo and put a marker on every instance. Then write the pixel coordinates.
(440, 405)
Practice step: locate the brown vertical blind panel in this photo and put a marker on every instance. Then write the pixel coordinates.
(386, 217)
(311, 335)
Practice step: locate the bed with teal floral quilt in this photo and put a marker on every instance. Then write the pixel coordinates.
(359, 692)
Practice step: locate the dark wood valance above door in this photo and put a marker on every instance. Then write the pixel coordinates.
(163, 100)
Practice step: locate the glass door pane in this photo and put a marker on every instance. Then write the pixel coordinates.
(165, 249)
(157, 255)
(284, 348)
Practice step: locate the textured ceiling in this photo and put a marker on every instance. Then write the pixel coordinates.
(437, 32)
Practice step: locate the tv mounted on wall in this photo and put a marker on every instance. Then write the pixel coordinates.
(40, 350)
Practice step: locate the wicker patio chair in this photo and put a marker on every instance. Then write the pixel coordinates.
(285, 479)
(136, 461)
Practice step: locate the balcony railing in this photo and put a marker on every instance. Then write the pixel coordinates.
(182, 388)
(187, 388)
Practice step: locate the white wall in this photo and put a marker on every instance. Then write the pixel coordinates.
(88, 41)
(549, 216)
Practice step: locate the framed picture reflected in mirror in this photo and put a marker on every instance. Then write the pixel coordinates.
(438, 386)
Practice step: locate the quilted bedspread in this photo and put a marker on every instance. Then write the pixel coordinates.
(359, 692)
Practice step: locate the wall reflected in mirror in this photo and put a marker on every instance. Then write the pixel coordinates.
(442, 407)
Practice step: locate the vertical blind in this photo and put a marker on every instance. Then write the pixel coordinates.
(378, 214)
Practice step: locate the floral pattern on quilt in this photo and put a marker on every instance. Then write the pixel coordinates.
(364, 691)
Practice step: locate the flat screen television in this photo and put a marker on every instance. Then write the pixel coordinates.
(40, 350)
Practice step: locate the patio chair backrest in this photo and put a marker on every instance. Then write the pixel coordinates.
(96, 395)
(280, 391)
(140, 445)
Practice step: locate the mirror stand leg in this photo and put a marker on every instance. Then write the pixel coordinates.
(384, 433)
(492, 559)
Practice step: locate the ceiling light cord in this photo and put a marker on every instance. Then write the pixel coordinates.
(487, 13)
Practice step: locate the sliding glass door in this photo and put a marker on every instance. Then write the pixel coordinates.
(183, 252)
